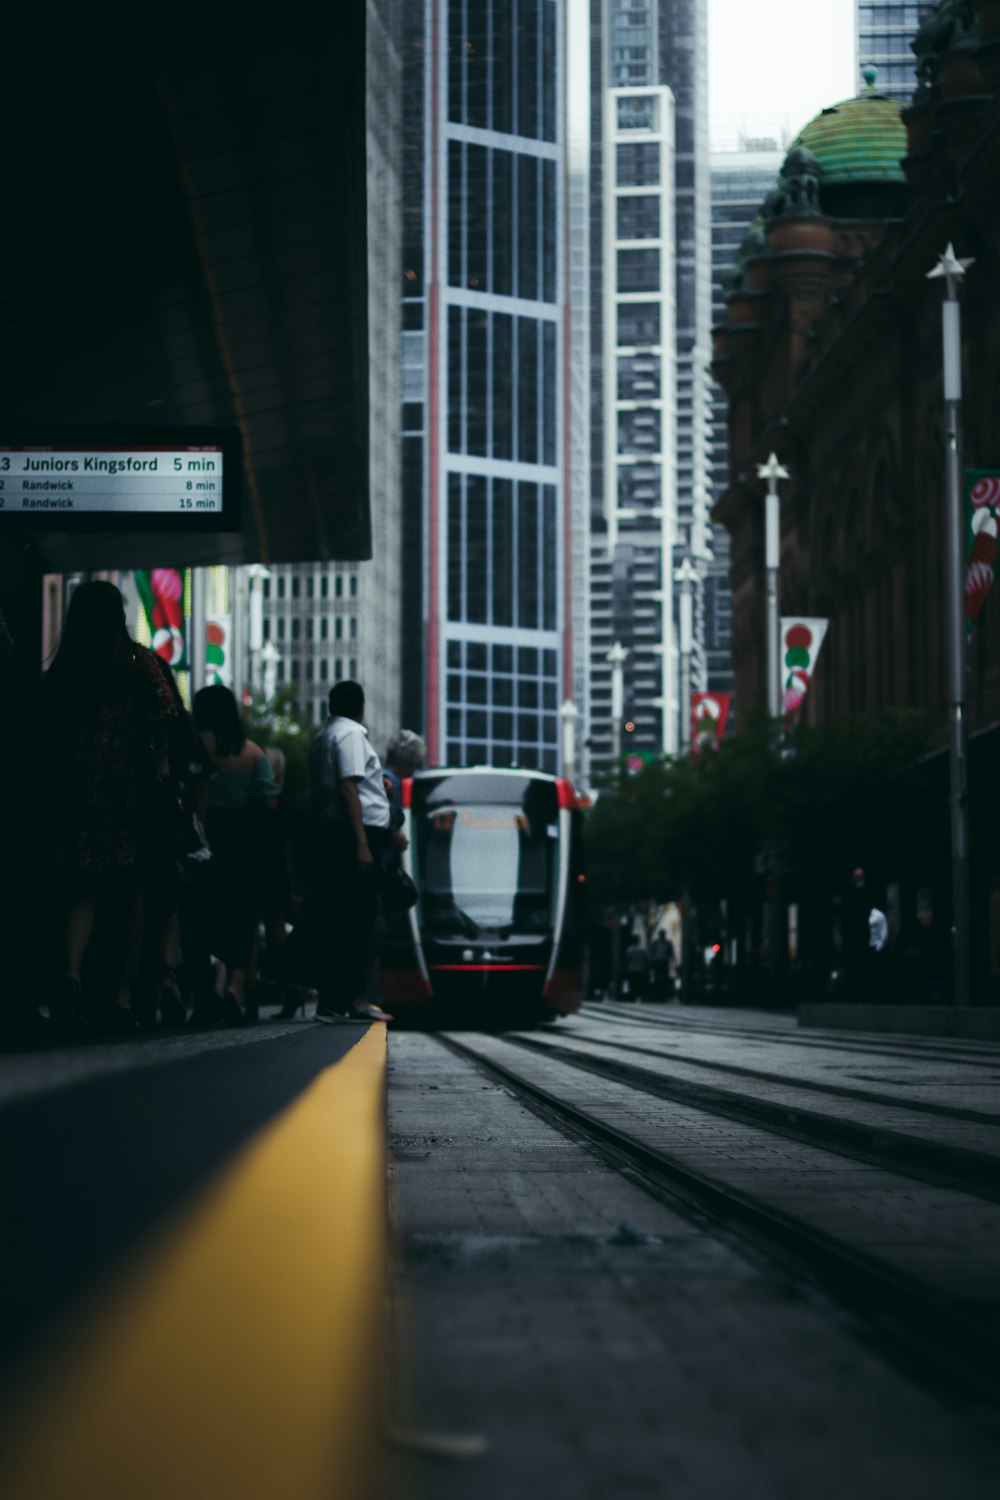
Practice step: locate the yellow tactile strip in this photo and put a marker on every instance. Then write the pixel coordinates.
(242, 1355)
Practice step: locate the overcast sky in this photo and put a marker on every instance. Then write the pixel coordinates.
(773, 64)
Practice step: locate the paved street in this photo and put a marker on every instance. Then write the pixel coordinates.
(562, 1331)
(697, 1319)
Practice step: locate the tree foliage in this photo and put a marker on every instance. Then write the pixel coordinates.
(821, 798)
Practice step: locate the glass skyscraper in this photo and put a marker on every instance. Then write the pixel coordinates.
(884, 33)
(741, 181)
(650, 317)
(484, 379)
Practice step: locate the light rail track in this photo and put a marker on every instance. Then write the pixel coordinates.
(930, 1161)
(837, 1090)
(915, 1323)
(884, 1044)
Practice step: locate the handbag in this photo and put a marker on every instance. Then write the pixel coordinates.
(397, 890)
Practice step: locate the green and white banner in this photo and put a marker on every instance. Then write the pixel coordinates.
(801, 639)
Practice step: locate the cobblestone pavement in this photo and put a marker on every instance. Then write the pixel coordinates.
(561, 1332)
(944, 1237)
(935, 1101)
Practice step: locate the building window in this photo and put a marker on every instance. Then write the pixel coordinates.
(639, 430)
(639, 377)
(281, 627)
(296, 585)
(638, 112)
(296, 629)
(638, 322)
(638, 270)
(281, 587)
(339, 585)
(639, 218)
(639, 164)
(338, 628)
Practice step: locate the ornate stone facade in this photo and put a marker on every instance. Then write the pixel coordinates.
(832, 358)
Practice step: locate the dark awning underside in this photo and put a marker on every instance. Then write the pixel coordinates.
(191, 250)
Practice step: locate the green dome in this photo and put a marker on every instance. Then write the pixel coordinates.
(860, 140)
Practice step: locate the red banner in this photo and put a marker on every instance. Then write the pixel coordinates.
(709, 716)
(162, 591)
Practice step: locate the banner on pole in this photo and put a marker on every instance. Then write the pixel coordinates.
(218, 650)
(982, 509)
(801, 639)
(165, 596)
(709, 716)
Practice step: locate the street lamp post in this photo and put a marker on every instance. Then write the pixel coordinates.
(257, 574)
(199, 664)
(616, 656)
(772, 471)
(269, 659)
(952, 270)
(568, 715)
(686, 575)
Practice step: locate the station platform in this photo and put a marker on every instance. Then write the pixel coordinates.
(194, 1264)
(306, 1261)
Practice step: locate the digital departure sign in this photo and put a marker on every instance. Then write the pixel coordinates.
(169, 481)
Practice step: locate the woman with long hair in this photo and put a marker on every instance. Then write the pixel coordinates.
(104, 710)
(243, 789)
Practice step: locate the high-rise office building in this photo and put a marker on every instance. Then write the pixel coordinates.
(740, 182)
(883, 34)
(487, 413)
(650, 318)
(333, 619)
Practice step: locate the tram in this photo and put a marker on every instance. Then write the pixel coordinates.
(497, 931)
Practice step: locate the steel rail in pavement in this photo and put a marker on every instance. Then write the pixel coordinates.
(917, 1328)
(932, 1162)
(883, 1043)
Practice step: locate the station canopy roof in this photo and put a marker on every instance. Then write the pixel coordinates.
(185, 246)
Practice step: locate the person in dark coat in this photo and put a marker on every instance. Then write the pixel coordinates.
(662, 966)
(855, 937)
(104, 710)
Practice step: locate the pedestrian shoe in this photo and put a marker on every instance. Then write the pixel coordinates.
(329, 1017)
(369, 1013)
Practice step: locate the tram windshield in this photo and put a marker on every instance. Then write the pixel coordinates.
(485, 852)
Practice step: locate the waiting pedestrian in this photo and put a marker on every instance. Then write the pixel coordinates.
(178, 854)
(101, 752)
(855, 937)
(878, 954)
(636, 970)
(662, 966)
(243, 790)
(351, 827)
(403, 754)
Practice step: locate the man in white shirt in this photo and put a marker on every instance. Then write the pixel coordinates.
(351, 810)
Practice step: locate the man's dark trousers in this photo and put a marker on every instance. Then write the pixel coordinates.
(349, 896)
